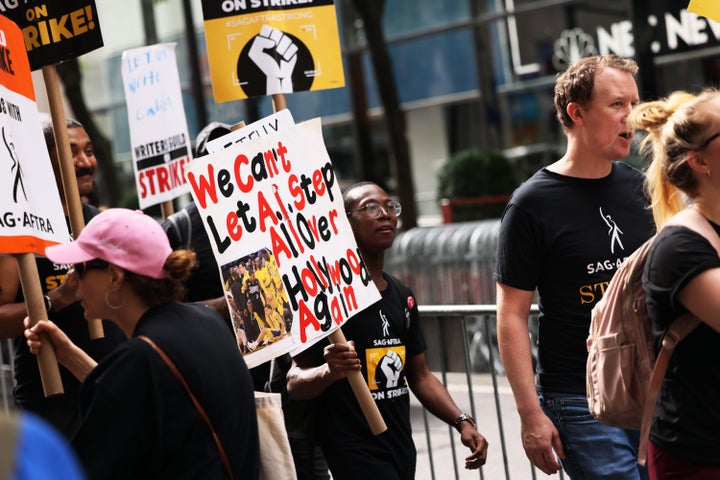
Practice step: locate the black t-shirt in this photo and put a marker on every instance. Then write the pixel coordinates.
(566, 236)
(236, 289)
(687, 418)
(385, 335)
(204, 282)
(63, 410)
(138, 421)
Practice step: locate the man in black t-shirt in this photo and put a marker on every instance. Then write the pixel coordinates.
(563, 234)
(388, 347)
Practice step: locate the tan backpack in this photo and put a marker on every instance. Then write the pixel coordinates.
(624, 376)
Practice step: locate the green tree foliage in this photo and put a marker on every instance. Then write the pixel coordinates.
(475, 175)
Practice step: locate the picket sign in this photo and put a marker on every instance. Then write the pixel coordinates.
(86, 37)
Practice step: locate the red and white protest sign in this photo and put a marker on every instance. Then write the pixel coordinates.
(274, 213)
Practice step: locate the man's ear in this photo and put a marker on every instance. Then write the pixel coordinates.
(575, 112)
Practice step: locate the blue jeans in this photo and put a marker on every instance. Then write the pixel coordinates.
(593, 451)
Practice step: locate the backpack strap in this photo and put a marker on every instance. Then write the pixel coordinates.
(9, 426)
(679, 329)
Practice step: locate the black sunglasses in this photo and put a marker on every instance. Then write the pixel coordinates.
(707, 142)
(81, 268)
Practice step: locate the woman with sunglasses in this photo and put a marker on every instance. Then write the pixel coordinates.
(138, 420)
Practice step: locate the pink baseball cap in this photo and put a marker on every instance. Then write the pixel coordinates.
(126, 238)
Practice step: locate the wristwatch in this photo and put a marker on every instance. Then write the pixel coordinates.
(48, 303)
(464, 417)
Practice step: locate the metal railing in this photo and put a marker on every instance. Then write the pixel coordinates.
(477, 384)
(6, 375)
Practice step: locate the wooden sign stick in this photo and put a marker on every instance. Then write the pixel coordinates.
(362, 392)
(47, 361)
(67, 168)
(278, 101)
(167, 208)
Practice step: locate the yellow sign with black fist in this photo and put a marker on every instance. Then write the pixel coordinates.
(255, 49)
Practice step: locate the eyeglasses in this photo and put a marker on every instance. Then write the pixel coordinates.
(81, 268)
(374, 210)
(708, 141)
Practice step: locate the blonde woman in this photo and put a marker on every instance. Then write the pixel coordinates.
(683, 274)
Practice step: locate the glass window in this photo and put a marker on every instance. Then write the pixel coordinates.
(446, 66)
(688, 75)
(403, 16)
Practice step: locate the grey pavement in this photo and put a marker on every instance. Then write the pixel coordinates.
(518, 466)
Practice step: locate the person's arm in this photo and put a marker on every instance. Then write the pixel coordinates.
(68, 354)
(12, 313)
(218, 304)
(538, 433)
(435, 397)
(306, 380)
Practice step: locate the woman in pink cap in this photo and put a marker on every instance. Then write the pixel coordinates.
(138, 420)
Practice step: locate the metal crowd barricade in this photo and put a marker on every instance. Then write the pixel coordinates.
(6, 375)
(447, 264)
(486, 396)
(452, 265)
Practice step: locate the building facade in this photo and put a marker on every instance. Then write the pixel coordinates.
(469, 73)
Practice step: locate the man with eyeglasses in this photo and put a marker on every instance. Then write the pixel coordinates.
(385, 343)
(60, 303)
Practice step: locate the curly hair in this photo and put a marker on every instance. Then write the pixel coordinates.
(171, 288)
(577, 82)
(676, 126)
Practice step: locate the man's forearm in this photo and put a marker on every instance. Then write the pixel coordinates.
(11, 320)
(517, 361)
(307, 383)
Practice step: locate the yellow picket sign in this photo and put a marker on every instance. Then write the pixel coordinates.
(706, 8)
(254, 50)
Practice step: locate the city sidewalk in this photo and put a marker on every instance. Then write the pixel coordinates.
(518, 465)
